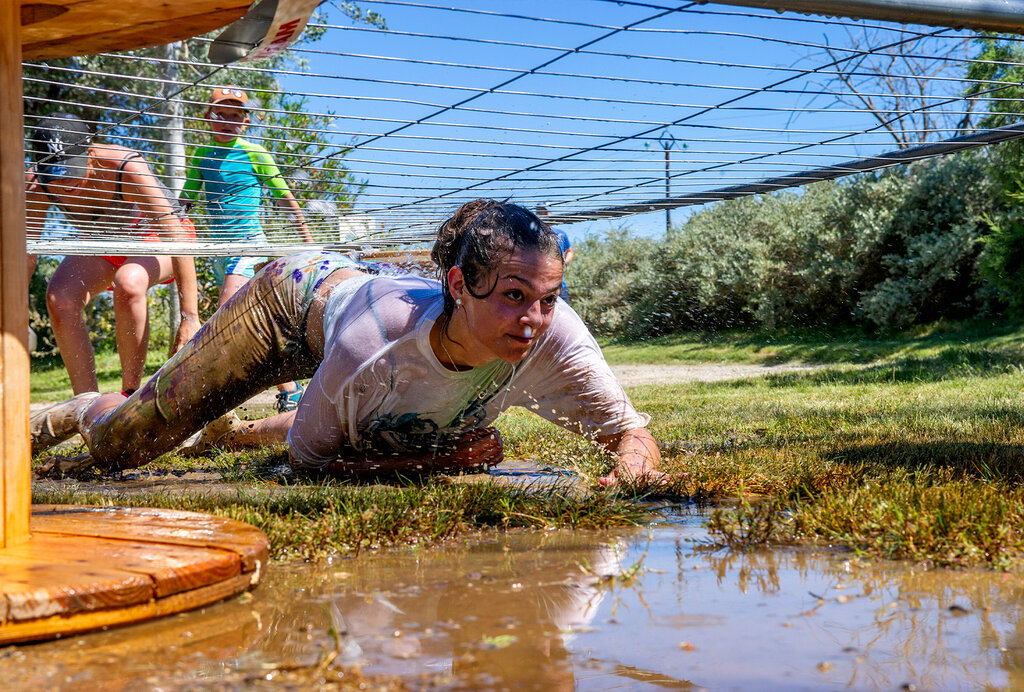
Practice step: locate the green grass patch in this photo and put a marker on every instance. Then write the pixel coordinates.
(820, 347)
(914, 452)
(49, 380)
(311, 521)
(922, 463)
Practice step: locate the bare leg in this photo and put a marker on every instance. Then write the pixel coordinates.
(232, 284)
(131, 313)
(75, 283)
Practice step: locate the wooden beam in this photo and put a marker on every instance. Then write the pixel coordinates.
(15, 484)
(62, 28)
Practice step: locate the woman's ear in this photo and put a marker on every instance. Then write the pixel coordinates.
(456, 282)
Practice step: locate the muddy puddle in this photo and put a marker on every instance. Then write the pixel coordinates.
(641, 609)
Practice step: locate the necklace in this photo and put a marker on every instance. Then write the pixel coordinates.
(451, 361)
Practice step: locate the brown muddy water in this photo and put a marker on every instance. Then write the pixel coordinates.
(641, 609)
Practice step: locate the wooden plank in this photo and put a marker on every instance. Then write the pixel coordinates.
(172, 568)
(156, 525)
(95, 26)
(15, 489)
(417, 261)
(56, 625)
(36, 588)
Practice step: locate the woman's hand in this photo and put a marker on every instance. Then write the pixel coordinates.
(187, 328)
(639, 458)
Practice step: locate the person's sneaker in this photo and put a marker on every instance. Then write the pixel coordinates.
(212, 436)
(289, 401)
(54, 424)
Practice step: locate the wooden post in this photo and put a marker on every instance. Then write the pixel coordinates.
(90, 568)
(15, 483)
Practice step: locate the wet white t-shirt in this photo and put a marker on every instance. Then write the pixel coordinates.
(381, 387)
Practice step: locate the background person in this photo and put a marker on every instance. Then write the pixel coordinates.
(231, 173)
(564, 245)
(103, 189)
(407, 373)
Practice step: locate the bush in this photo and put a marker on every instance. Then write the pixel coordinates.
(882, 250)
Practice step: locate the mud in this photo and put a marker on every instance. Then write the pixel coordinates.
(643, 609)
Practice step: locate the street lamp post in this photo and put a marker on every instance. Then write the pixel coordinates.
(667, 141)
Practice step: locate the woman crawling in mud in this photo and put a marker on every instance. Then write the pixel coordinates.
(407, 373)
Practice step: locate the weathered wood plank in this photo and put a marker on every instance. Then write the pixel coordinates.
(15, 488)
(96, 26)
(172, 568)
(155, 525)
(36, 588)
(47, 628)
(417, 261)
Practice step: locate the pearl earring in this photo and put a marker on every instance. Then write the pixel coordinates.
(458, 302)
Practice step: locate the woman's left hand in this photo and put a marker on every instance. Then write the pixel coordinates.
(639, 458)
(186, 330)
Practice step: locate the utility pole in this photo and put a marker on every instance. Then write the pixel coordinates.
(174, 151)
(667, 141)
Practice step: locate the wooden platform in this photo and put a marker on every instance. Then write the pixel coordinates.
(62, 28)
(87, 568)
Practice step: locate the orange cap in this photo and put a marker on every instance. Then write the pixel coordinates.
(229, 93)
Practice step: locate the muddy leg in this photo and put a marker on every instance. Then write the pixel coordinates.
(255, 340)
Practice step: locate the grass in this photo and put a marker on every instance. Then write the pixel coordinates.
(817, 346)
(49, 380)
(913, 450)
(921, 461)
(316, 520)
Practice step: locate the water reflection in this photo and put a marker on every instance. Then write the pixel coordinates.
(648, 608)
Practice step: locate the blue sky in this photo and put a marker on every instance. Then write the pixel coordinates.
(378, 83)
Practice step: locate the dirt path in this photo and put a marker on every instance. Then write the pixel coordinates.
(630, 375)
(706, 372)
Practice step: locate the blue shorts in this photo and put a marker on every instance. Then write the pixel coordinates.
(242, 266)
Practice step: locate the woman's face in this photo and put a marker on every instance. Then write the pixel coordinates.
(519, 309)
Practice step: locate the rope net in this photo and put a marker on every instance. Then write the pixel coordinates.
(386, 116)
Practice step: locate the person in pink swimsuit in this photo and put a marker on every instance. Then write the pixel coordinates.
(106, 191)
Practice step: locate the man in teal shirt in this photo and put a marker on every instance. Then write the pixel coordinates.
(232, 173)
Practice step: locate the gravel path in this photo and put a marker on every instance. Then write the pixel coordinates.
(630, 375)
(707, 372)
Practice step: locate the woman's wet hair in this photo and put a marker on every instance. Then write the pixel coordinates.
(483, 234)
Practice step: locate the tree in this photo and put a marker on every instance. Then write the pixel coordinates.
(996, 77)
(909, 82)
(138, 99)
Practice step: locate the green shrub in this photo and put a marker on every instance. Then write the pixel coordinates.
(882, 250)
